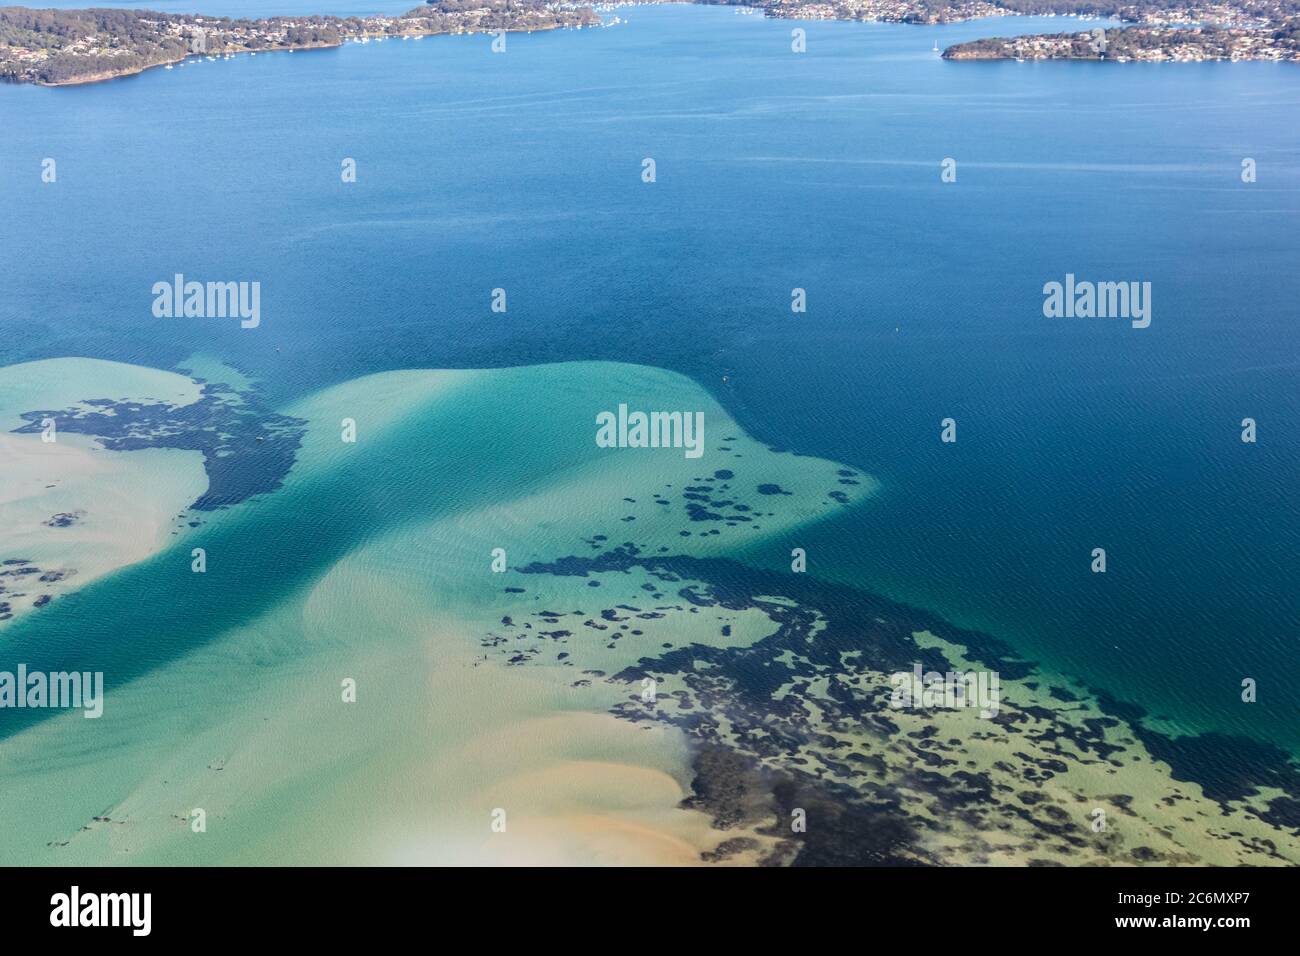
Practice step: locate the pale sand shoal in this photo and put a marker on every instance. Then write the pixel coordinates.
(77, 511)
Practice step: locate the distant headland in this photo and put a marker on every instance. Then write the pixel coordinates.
(64, 47)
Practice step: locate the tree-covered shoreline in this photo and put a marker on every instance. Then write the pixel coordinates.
(58, 47)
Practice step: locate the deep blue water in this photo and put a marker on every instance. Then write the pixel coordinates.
(775, 170)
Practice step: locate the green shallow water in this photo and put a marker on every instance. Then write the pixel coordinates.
(373, 561)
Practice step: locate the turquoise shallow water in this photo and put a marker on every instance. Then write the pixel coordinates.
(774, 171)
(372, 560)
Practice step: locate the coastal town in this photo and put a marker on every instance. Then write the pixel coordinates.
(61, 47)
(1239, 13)
(882, 11)
(1140, 43)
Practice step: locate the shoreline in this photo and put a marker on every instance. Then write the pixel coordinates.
(74, 47)
(1147, 40)
(1137, 43)
(108, 75)
(105, 76)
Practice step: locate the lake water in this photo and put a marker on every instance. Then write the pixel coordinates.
(774, 171)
